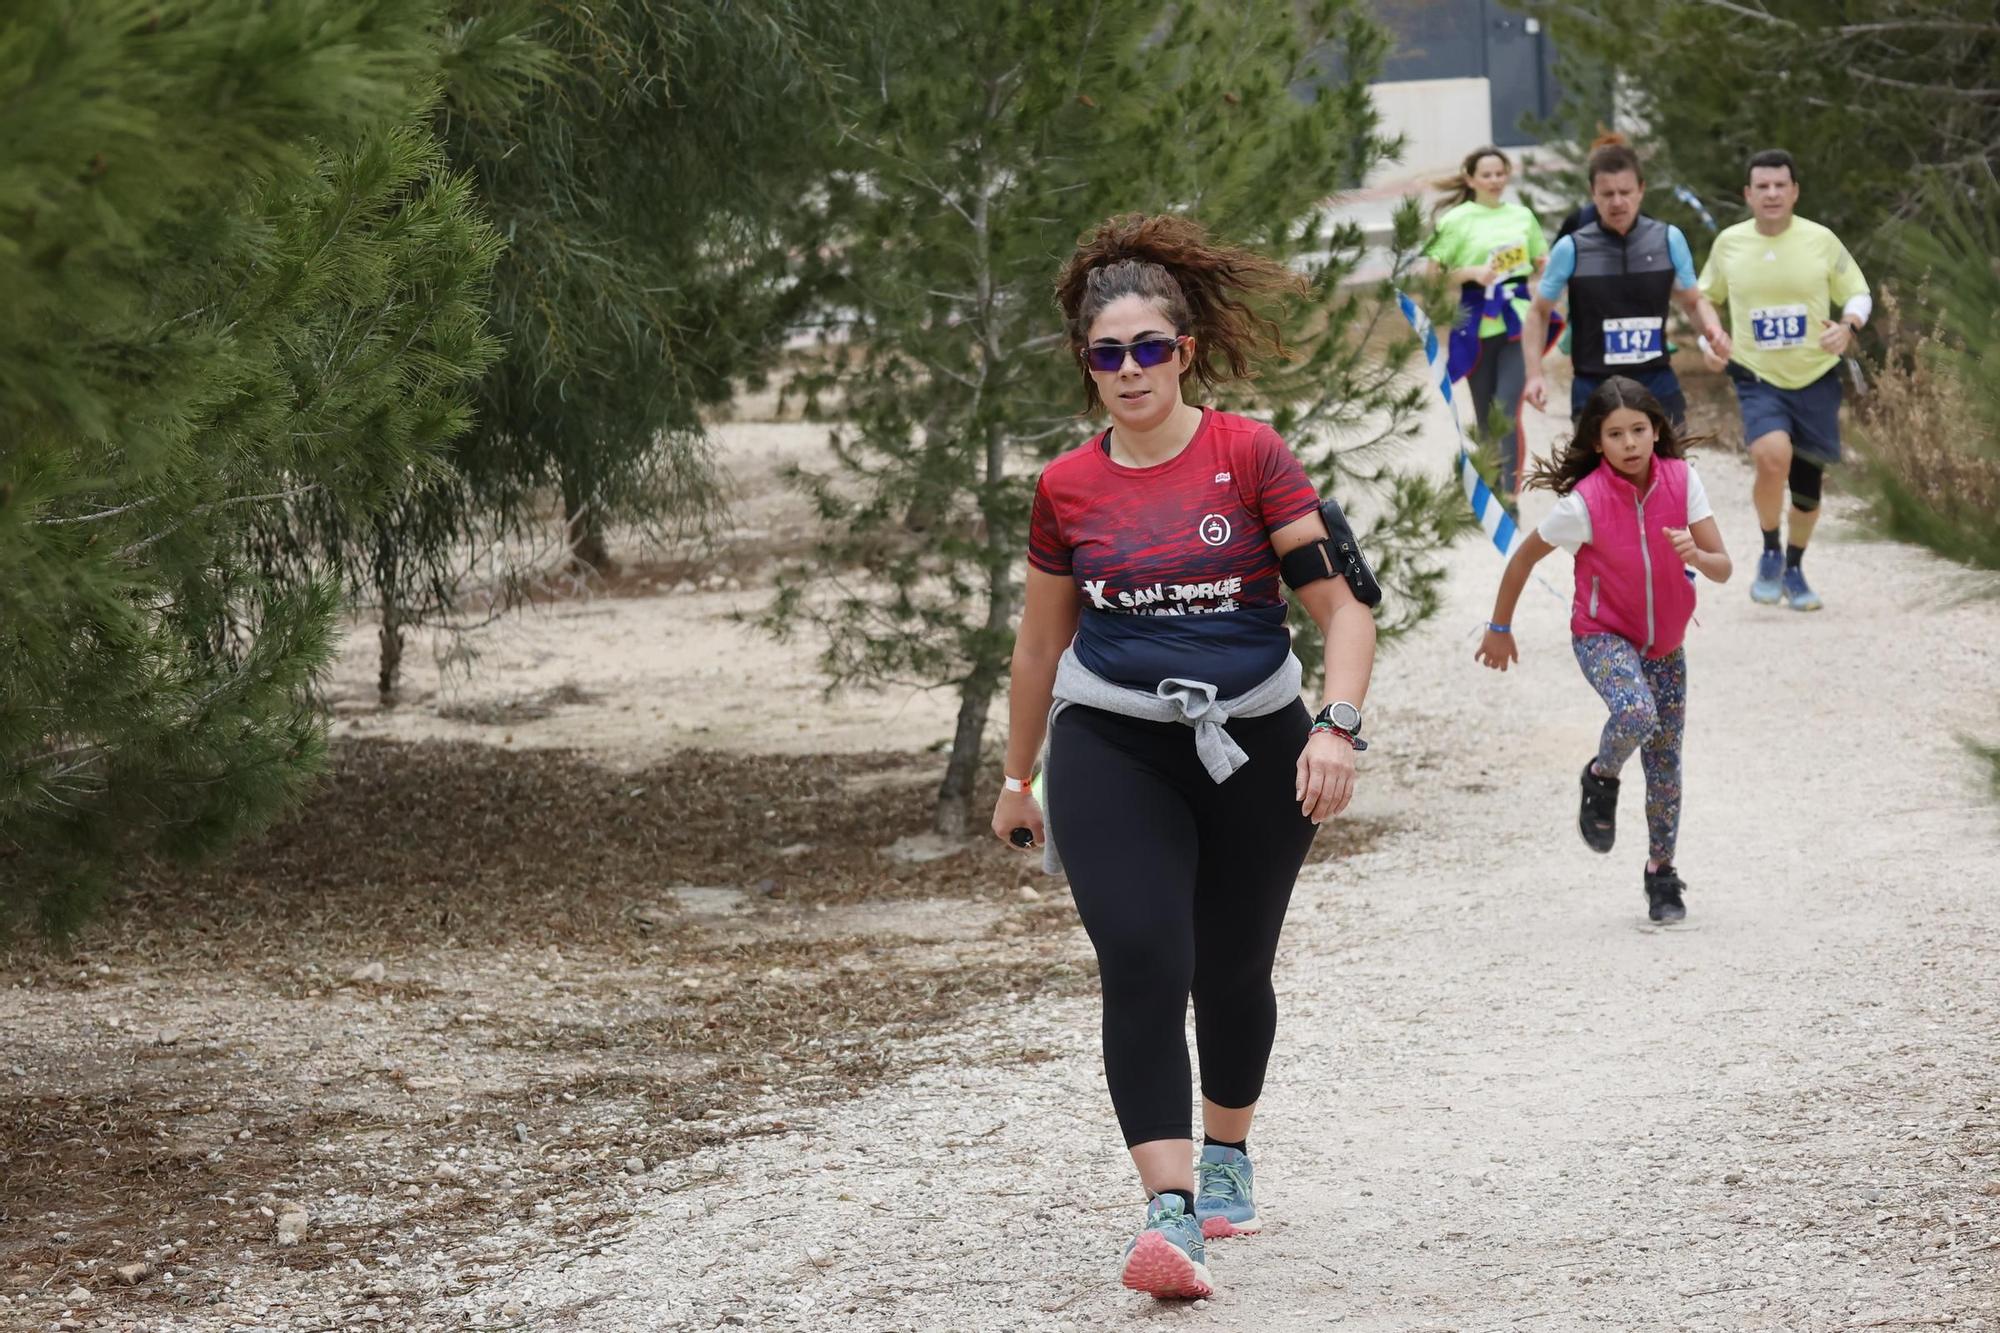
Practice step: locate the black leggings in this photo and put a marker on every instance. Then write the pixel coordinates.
(1500, 376)
(1182, 883)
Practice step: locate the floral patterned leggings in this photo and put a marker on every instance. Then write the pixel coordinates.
(1648, 702)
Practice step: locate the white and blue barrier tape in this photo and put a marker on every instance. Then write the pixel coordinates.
(1693, 200)
(1493, 517)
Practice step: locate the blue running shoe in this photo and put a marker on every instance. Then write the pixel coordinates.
(1797, 595)
(1768, 587)
(1222, 1201)
(1168, 1260)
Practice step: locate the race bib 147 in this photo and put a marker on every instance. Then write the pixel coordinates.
(1778, 326)
(1631, 340)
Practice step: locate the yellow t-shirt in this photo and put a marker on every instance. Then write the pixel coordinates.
(1779, 289)
(1506, 236)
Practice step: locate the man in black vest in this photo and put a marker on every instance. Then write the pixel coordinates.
(1623, 271)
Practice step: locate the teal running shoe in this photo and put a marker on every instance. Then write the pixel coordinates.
(1768, 587)
(1222, 1200)
(1168, 1260)
(1798, 595)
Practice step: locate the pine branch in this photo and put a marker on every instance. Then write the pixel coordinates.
(1929, 89)
(1920, 25)
(215, 506)
(100, 515)
(1759, 15)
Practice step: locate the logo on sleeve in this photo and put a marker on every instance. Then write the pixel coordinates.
(1214, 529)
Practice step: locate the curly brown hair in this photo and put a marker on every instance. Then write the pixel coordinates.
(1579, 455)
(1204, 288)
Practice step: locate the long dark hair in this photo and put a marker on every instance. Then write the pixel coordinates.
(1456, 190)
(1579, 455)
(1199, 284)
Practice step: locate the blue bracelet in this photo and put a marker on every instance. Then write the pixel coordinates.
(1499, 629)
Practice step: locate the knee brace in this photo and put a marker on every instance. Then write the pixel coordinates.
(1806, 479)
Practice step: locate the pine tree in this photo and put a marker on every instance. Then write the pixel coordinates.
(239, 275)
(1881, 102)
(633, 171)
(637, 286)
(410, 557)
(981, 143)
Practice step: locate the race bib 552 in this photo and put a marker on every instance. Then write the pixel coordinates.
(1507, 260)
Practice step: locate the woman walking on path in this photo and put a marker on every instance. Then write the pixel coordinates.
(1490, 248)
(1184, 777)
(1638, 520)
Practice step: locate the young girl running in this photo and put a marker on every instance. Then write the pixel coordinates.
(1184, 777)
(1636, 518)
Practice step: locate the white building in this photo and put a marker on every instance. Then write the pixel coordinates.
(1462, 73)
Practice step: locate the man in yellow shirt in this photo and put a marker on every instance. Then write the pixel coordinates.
(1783, 277)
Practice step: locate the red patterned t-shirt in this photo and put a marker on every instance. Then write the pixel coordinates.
(1187, 536)
(1175, 560)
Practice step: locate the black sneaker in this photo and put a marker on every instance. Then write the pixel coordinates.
(1597, 821)
(1663, 895)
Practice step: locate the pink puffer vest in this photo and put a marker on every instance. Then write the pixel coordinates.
(1629, 580)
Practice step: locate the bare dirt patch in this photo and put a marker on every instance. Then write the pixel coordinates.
(473, 1005)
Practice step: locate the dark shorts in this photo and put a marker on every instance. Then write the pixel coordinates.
(1662, 384)
(1811, 416)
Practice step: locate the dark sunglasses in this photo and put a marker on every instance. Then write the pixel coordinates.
(1147, 352)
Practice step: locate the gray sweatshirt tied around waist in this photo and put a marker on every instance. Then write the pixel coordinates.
(1172, 700)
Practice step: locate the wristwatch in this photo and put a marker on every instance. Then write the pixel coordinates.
(1341, 716)
(1342, 719)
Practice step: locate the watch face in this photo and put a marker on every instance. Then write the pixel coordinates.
(1345, 716)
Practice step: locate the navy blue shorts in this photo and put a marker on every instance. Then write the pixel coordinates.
(1811, 416)
(1662, 384)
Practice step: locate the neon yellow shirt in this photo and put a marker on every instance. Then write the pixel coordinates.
(1507, 236)
(1779, 289)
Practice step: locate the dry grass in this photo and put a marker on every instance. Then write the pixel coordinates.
(1933, 467)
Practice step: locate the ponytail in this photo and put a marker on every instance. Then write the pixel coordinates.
(1204, 289)
(1457, 190)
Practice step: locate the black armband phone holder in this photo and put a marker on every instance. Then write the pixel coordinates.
(1338, 555)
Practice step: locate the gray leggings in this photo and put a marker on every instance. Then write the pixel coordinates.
(1499, 377)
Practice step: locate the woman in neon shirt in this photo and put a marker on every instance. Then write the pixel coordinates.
(1491, 248)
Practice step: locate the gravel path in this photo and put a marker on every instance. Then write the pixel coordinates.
(1500, 1100)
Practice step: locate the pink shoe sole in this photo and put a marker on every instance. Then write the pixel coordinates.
(1164, 1272)
(1221, 1228)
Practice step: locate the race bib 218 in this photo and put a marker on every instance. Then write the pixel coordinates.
(1777, 326)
